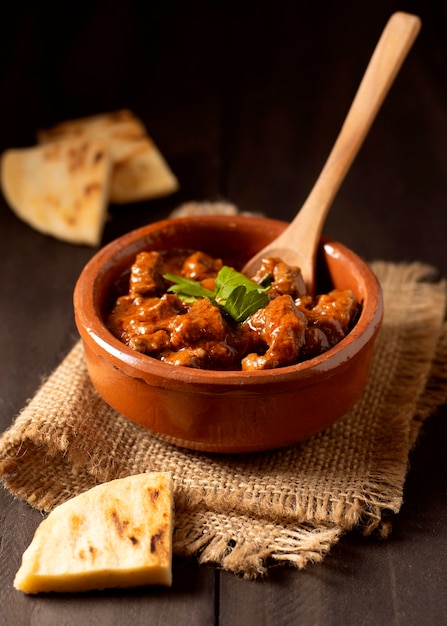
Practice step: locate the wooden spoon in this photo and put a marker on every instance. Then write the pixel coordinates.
(298, 244)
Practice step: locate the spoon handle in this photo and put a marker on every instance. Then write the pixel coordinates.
(393, 46)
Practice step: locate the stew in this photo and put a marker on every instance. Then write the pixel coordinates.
(158, 316)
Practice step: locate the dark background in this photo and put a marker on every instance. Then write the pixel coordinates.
(245, 100)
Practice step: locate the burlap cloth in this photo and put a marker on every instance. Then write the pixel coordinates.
(247, 512)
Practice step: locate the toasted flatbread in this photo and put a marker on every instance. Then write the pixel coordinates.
(118, 534)
(60, 189)
(139, 170)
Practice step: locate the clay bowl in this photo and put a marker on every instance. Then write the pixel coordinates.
(225, 412)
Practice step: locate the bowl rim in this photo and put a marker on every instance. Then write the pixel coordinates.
(90, 325)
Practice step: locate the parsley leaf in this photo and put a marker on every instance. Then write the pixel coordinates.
(239, 296)
(187, 287)
(241, 302)
(228, 279)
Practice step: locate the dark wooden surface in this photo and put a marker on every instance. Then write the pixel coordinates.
(245, 100)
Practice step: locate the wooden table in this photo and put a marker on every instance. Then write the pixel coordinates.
(244, 100)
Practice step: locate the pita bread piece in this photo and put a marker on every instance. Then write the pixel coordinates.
(139, 170)
(60, 189)
(118, 534)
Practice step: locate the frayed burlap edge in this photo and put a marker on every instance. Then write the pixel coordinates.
(247, 546)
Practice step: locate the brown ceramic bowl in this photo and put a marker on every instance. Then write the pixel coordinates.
(225, 412)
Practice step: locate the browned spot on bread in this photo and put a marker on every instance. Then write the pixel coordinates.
(76, 157)
(92, 553)
(53, 200)
(153, 494)
(51, 152)
(76, 521)
(91, 188)
(120, 524)
(156, 540)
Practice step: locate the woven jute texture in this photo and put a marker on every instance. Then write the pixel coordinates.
(247, 512)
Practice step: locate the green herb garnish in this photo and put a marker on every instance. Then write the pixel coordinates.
(239, 296)
(241, 302)
(187, 287)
